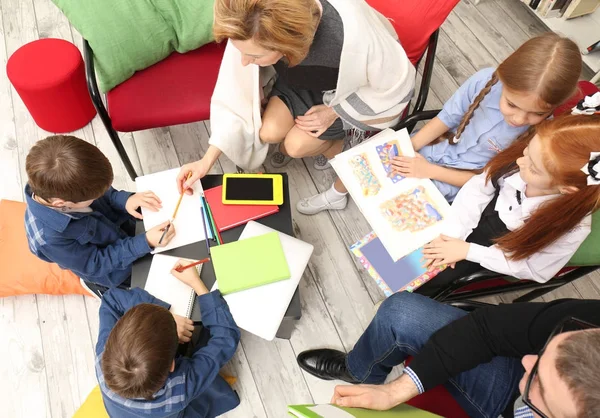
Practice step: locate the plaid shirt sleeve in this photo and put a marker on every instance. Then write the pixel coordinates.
(117, 198)
(223, 342)
(89, 260)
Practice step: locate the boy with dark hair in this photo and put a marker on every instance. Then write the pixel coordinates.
(137, 367)
(75, 218)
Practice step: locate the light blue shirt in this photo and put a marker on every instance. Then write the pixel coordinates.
(485, 136)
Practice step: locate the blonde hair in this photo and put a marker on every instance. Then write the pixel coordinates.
(547, 65)
(285, 26)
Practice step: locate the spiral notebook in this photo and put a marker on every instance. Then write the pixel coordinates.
(164, 286)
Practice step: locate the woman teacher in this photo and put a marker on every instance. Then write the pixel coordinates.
(299, 74)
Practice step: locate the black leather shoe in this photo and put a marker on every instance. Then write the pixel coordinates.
(326, 364)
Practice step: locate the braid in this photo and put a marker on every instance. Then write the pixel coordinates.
(467, 117)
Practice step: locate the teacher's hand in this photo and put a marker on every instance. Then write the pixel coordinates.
(378, 397)
(317, 120)
(198, 169)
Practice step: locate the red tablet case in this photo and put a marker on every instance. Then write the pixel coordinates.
(230, 216)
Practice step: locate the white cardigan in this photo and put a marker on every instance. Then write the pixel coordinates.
(376, 81)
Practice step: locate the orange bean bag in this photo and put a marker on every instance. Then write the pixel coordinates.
(21, 272)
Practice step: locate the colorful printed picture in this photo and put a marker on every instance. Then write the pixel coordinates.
(392, 276)
(369, 183)
(411, 211)
(387, 151)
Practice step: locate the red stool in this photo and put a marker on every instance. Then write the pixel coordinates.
(49, 75)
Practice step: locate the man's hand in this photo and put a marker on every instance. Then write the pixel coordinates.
(146, 200)
(378, 397)
(416, 166)
(316, 120)
(446, 250)
(185, 328)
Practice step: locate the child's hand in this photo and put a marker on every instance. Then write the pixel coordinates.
(446, 250)
(189, 276)
(185, 328)
(416, 166)
(153, 235)
(146, 200)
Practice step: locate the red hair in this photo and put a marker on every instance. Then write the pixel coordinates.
(567, 142)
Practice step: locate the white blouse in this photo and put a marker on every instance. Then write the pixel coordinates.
(466, 212)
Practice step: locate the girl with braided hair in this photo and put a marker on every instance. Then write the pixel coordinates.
(492, 109)
(529, 211)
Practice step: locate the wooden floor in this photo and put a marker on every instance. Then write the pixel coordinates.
(46, 342)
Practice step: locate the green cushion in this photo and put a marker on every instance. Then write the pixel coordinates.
(130, 35)
(588, 254)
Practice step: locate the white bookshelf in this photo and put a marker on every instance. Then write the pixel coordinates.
(584, 31)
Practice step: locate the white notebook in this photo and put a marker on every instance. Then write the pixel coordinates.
(188, 222)
(260, 310)
(164, 286)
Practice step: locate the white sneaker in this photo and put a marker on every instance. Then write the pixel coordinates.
(319, 203)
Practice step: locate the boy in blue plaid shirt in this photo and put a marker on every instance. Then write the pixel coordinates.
(75, 218)
(137, 366)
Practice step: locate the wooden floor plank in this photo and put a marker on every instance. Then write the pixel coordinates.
(471, 47)
(155, 150)
(251, 404)
(12, 184)
(23, 380)
(278, 378)
(483, 30)
(81, 346)
(450, 57)
(315, 328)
(517, 11)
(502, 23)
(62, 382)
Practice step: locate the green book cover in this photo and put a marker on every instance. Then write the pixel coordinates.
(249, 263)
(333, 411)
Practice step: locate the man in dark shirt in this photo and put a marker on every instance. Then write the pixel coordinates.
(484, 358)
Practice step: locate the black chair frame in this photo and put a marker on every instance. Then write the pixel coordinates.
(90, 76)
(535, 289)
(96, 95)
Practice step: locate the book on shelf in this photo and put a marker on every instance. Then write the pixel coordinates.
(554, 9)
(578, 8)
(534, 4)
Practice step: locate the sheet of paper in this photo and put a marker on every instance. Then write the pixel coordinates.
(405, 213)
(164, 286)
(188, 222)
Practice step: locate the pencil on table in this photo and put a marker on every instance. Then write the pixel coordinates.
(213, 224)
(204, 225)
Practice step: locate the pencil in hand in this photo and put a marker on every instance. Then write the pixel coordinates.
(179, 269)
(165, 232)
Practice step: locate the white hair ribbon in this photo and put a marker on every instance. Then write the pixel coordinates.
(592, 169)
(588, 105)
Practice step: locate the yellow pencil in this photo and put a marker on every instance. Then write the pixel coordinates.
(180, 198)
(175, 211)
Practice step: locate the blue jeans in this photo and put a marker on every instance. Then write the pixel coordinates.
(402, 326)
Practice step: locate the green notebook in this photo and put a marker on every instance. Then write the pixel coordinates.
(250, 262)
(333, 411)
